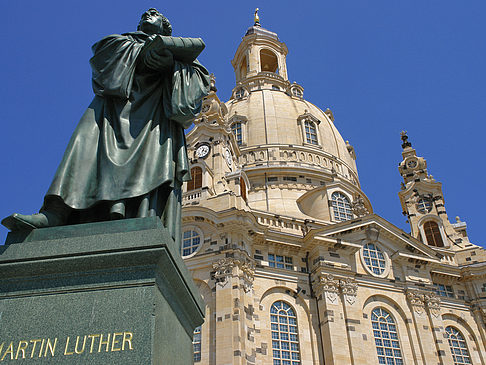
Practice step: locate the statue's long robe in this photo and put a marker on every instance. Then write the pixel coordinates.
(130, 142)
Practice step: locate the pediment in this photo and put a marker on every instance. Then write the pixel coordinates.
(307, 116)
(398, 243)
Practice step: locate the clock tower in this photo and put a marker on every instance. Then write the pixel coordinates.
(423, 203)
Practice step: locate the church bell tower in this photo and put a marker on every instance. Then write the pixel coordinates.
(423, 203)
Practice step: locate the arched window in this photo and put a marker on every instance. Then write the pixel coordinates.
(196, 182)
(341, 207)
(432, 234)
(196, 344)
(243, 188)
(268, 61)
(191, 240)
(236, 128)
(285, 338)
(458, 346)
(243, 68)
(310, 132)
(386, 337)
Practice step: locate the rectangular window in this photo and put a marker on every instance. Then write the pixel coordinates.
(289, 178)
(272, 178)
(280, 262)
(236, 128)
(444, 290)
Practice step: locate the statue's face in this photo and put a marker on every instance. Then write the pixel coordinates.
(151, 22)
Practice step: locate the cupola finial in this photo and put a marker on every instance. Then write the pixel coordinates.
(405, 141)
(257, 18)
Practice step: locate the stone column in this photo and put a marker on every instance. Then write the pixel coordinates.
(333, 327)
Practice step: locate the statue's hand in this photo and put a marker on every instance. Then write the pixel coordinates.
(159, 59)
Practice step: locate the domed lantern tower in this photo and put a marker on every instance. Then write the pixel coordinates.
(292, 153)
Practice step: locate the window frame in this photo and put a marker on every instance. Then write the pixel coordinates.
(434, 233)
(391, 337)
(310, 130)
(287, 262)
(191, 185)
(444, 290)
(199, 232)
(239, 141)
(461, 349)
(386, 258)
(309, 118)
(284, 329)
(197, 354)
(424, 205)
(244, 131)
(333, 208)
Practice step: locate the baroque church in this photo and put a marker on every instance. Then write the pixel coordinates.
(292, 264)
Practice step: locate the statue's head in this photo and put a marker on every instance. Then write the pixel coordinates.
(153, 22)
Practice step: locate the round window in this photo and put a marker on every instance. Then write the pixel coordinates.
(374, 259)
(296, 92)
(191, 240)
(424, 205)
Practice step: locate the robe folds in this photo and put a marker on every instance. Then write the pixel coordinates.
(129, 145)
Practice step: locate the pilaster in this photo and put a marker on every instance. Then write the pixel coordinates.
(432, 303)
(333, 326)
(352, 318)
(234, 310)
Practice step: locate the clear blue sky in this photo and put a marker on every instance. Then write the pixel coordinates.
(381, 66)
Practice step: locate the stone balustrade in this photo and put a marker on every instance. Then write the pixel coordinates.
(297, 156)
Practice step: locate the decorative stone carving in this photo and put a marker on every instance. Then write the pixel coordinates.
(419, 300)
(433, 303)
(224, 269)
(349, 288)
(230, 267)
(329, 287)
(416, 300)
(248, 275)
(358, 206)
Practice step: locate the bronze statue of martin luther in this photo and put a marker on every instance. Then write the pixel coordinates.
(127, 157)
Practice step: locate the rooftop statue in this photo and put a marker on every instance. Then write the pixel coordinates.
(127, 157)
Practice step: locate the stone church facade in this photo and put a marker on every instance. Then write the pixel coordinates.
(293, 265)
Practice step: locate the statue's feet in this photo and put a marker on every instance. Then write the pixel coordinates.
(21, 222)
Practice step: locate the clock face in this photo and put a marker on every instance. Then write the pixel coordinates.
(202, 151)
(228, 157)
(411, 164)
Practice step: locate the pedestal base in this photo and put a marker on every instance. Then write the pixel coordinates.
(99, 293)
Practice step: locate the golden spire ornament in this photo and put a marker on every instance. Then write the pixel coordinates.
(257, 18)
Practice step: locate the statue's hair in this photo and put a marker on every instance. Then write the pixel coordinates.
(167, 27)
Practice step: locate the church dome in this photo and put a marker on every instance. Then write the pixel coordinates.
(278, 117)
(289, 149)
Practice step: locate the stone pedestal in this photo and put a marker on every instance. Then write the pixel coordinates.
(99, 293)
